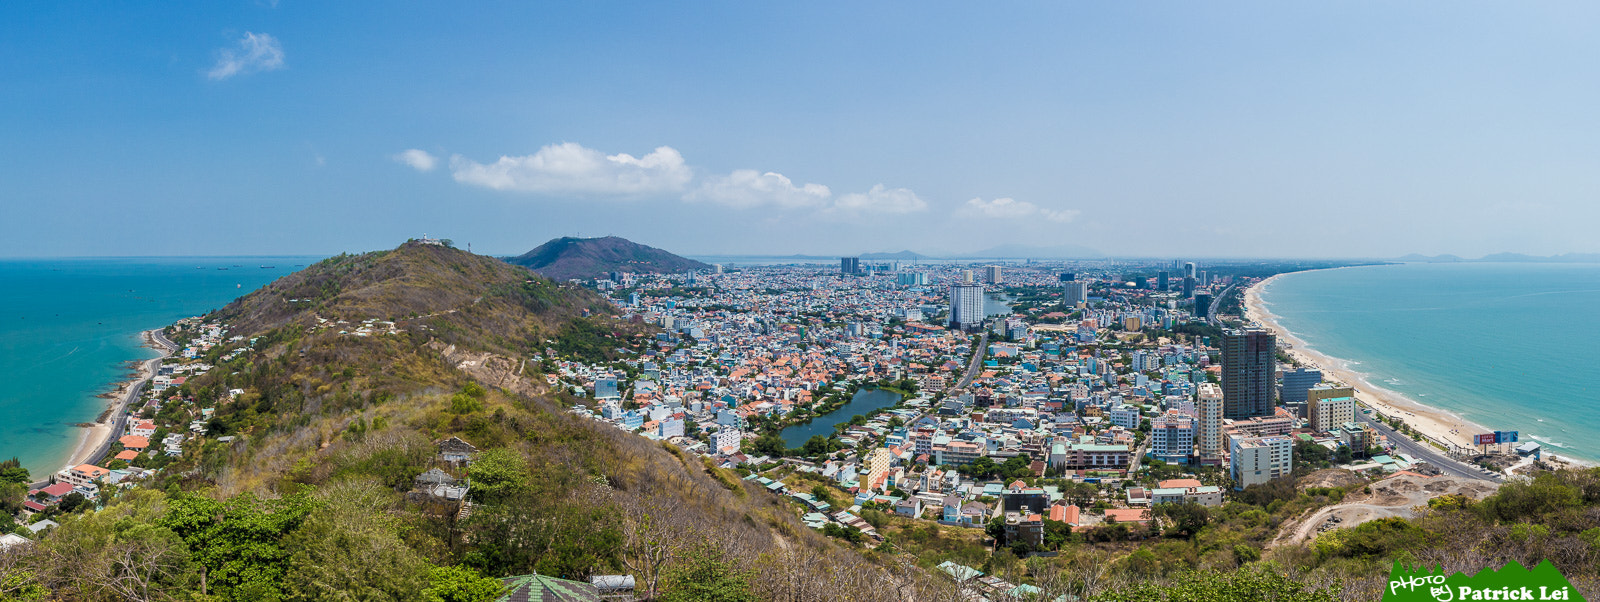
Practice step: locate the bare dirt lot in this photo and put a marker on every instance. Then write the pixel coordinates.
(1394, 496)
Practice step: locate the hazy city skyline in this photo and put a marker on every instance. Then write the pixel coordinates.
(1221, 130)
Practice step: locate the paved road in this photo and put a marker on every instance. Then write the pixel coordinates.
(1430, 454)
(1216, 302)
(162, 339)
(118, 422)
(977, 360)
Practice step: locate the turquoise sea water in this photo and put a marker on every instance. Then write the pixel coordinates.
(68, 327)
(1507, 346)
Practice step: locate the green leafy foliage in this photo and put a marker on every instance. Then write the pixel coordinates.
(1246, 585)
(239, 541)
(11, 471)
(349, 547)
(706, 576)
(460, 584)
(498, 474)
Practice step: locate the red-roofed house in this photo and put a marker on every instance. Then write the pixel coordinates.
(83, 475)
(143, 428)
(127, 455)
(1128, 515)
(1069, 514)
(134, 442)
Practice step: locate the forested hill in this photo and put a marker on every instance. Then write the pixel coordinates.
(567, 257)
(319, 419)
(416, 283)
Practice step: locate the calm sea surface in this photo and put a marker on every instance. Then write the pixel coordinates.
(69, 326)
(1508, 346)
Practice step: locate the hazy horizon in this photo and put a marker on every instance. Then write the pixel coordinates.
(1240, 129)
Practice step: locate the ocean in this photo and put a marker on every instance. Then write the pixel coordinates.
(1509, 346)
(68, 328)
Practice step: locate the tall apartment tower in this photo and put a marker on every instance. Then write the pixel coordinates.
(966, 305)
(966, 276)
(1249, 359)
(1202, 306)
(1161, 281)
(1292, 392)
(849, 265)
(1074, 293)
(992, 275)
(1188, 280)
(1208, 430)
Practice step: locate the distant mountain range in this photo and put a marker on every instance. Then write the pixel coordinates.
(568, 257)
(1014, 251)
(1504, 258)
(902, 255)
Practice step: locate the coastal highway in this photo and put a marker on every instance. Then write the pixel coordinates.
(116, 417)
(1216, 302)
(1431, 454)
(977, 360)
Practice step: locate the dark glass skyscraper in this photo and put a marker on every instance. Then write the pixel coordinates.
(1202, 306)
(849, 265)
(1161, 282)
(1248, 361)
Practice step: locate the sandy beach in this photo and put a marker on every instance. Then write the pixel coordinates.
(1439, 425)
(98, 435)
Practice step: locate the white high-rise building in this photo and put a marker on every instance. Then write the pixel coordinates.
(966, 305)
(726, 437)
(1208, 431)
(993, 275)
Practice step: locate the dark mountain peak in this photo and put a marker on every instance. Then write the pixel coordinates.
(570, 257)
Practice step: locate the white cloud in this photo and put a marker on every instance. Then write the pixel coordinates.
(746, 188)
(418, 159)
(1009, 208)
(256, 52)
(570, 168)
(882, 200)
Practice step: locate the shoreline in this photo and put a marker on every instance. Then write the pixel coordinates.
(1434, 423)
(97, 436)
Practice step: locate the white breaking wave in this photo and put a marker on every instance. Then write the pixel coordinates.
(1548, 441)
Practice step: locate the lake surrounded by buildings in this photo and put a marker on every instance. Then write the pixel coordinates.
(865, 402)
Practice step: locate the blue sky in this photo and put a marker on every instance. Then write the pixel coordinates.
(1139, 129)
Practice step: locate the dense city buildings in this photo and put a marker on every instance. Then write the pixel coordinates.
(1089, 390)
(1249, 364)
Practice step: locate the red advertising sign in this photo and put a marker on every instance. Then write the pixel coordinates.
(1484, 439)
